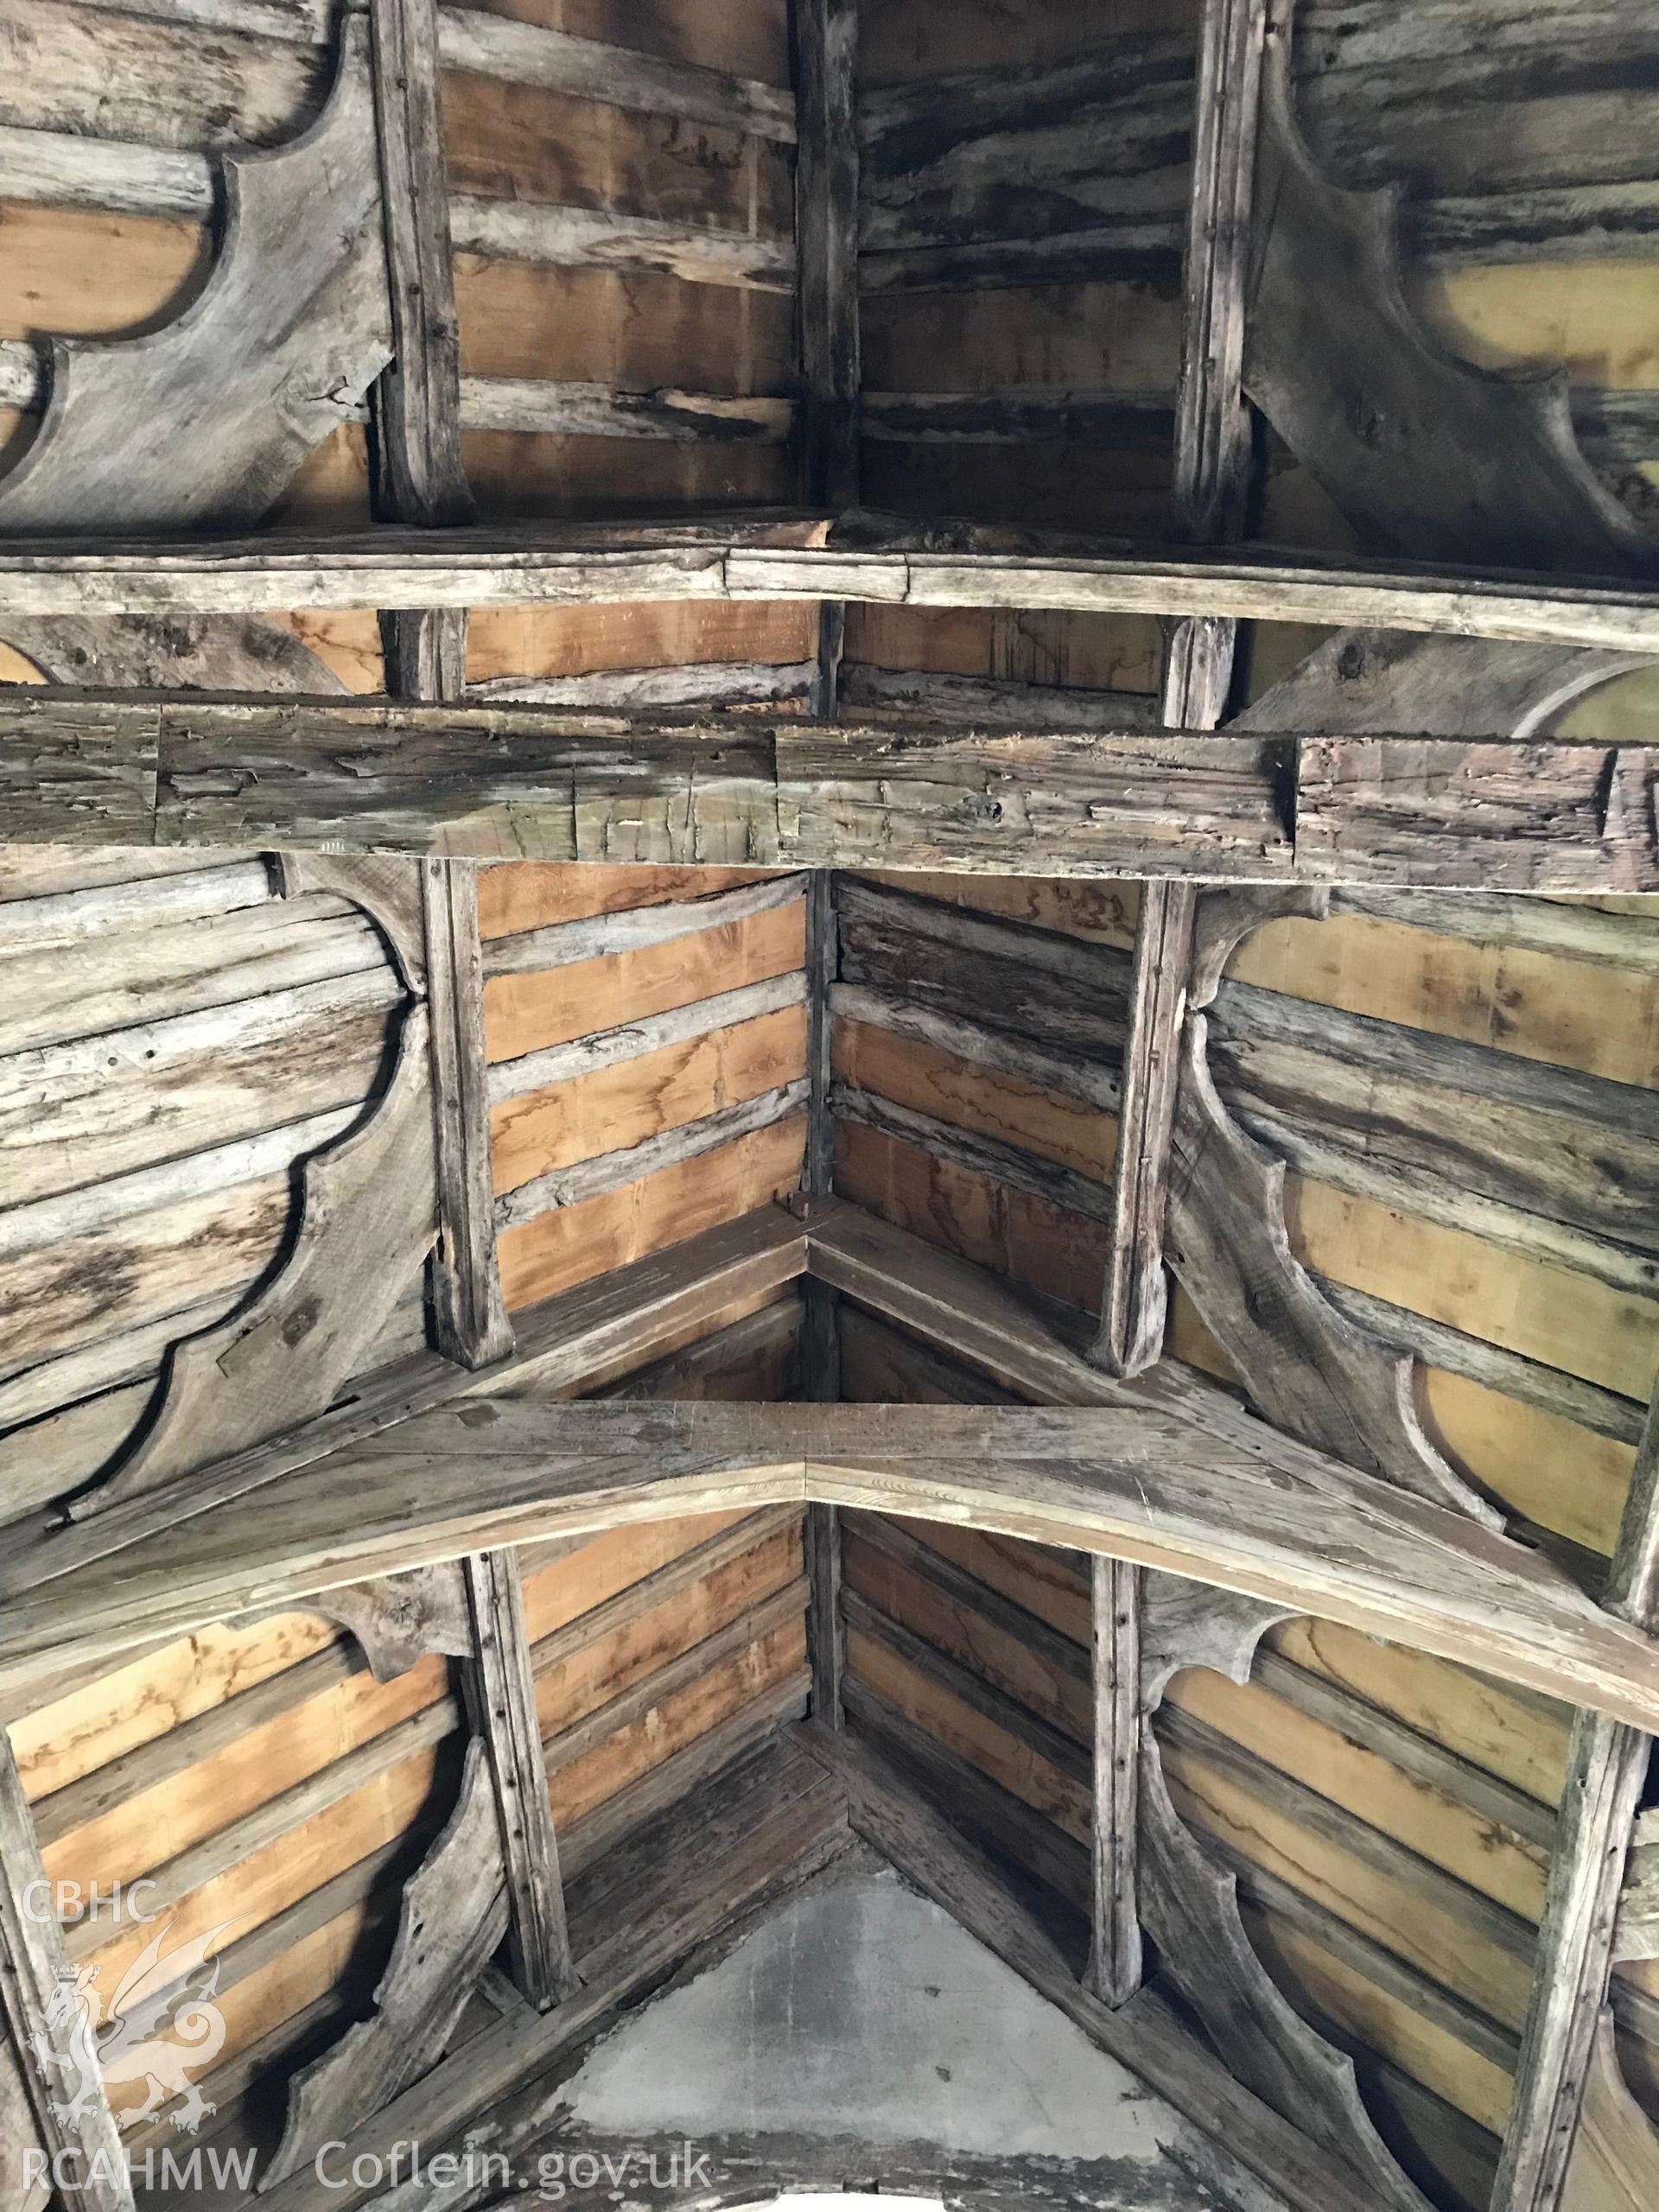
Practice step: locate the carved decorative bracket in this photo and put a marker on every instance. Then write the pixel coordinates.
(207, 418)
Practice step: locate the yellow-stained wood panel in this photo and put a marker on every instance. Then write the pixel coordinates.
(964, 1634)
(1428, 1821)
(523, 1012)
(1423, 2049)
(1020, 1770)
(1063, 1255)
(577, 1242)
(507, 141)
(1573, 1013)
(747, 38)
(236, 1902)
(1521, 1741)
(1545, 1312)
(68, 272)
(550, 641)
(1100, 653)
(625, 1655)
(1555, 1472)
(1436, 1942)
(607, 1564)
(519, 473)
(920, 1076)
(74, 1735)
(680, 1720)
(617, 1106)
(1103, 913)
(145, 1829)
(632, 330)
(530, 895)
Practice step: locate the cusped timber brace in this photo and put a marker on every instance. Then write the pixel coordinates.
(388, 891)
(453, 1919)
(208, 417)
(1309, 1368)
(1194, 1624)
(1615, 2163)
(400, 1619)
(1377, 682)
(174, 652)
(367, 1218)
(1418, 448)
(1189, 1908)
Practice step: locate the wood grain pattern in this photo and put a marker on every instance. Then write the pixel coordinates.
(453, 1914)
(234, 376)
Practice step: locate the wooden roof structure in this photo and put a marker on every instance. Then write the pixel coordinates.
(829, 1003)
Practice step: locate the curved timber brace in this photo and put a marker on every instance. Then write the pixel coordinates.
(1189, 1905)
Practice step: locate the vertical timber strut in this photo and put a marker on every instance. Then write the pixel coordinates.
(826, 222)
(419, 479)
(1213, 444)
(1606, 1767)
(40, 2005)
(1212, 462)
(500, 1689)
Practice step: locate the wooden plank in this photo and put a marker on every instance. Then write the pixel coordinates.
(827, 227)
(1168, 1473)
(500, 1689)
(699, 558)
(49, 2029)
(1114, 1957)
(1213, 450)
(470, 1313)
(1607, 1773)
(463, 781)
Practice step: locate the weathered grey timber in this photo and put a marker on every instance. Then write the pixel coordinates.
(1191, 1909)
(1115, 1957)
(593, 238)
(673, 1884)
(989, 702)
(455, 1914)
(476, 782)
(991, 1157)
(1311, 1369)
(570, 410)
(1185, 1624)
(885, 561)
(820, 1325)
(401, 1619)
(827, 188)
(635, 690)
(270, 357)
(1606, 1775)
(499, 1691)
(177, 651)
(469, 1314)
(611, 1171)
(364, 1224)
(588, 69)
(616, 1322)
(1097, 1085)
(1166, 1472)
(1616, 2154)
(1339, 364)
(42, 2007)
(1365, 682)
(562, 945)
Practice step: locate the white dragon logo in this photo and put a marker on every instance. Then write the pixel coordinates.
(159, 2028)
